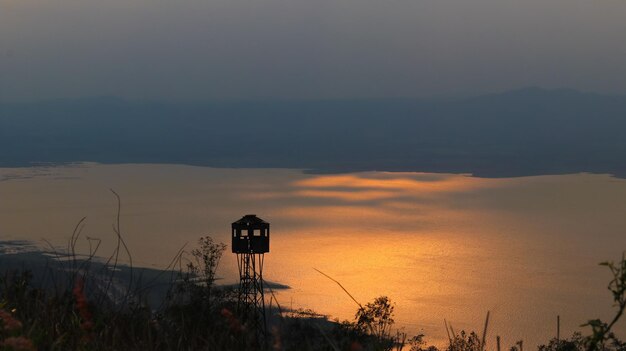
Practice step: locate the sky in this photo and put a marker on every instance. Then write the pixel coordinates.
(307, 49)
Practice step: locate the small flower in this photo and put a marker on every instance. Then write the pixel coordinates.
(83, 310)
(18, 343)
(277, 345)
(233, 322)
(8, 322)
(356, 346)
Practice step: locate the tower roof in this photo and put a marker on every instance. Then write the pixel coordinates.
(249, 220)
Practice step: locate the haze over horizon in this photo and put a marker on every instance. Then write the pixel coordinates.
(239, 49)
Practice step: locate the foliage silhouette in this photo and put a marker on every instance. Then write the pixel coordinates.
(601, 331)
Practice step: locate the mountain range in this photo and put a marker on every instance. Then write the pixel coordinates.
(524, 132)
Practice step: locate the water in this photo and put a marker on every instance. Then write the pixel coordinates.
(439, 245)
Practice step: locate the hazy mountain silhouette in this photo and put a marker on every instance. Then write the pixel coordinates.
(523, 132)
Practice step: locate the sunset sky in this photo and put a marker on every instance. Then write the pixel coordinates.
(243, 49)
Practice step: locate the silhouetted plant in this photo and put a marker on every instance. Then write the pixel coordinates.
(417, 343)
(376, 318)
(464, 342)
(207, 257)
(601, 331)
(574, 343)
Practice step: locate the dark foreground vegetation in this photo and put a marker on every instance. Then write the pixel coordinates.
(91, 312)
(85, 306)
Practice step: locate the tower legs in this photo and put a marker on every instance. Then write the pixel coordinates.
(251, 298)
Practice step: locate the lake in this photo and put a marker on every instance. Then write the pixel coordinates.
(439, 245)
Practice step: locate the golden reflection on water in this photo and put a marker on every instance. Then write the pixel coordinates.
(440, 246)
(395, 182)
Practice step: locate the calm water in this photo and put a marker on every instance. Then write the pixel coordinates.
(440, 246)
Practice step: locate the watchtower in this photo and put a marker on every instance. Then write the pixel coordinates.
(251, 240)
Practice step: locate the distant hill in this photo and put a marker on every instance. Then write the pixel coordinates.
(523, 132)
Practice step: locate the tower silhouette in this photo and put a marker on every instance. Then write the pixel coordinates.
(251, 240)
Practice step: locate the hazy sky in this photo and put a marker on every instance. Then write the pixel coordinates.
(207, 49)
